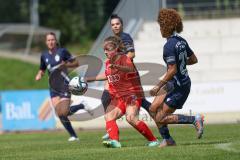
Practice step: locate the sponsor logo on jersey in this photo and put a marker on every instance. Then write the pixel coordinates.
(57, 58)
(168, 99)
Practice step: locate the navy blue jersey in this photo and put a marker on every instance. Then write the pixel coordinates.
(176, 51)
(50, 60)
(128, 42)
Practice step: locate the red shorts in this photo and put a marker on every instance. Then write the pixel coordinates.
(123, 102)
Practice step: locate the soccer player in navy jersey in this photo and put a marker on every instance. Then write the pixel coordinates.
(176, 83)
(59, 56)
(116, 23)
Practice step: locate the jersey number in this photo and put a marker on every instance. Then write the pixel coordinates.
(183, 60)
(113, 78)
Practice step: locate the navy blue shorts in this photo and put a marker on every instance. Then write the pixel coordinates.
(63, 94)
(178, 96)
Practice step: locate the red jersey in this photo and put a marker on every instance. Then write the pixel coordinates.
(122, 84)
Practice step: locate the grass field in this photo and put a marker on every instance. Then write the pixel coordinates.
(220, 142)
(15, 74)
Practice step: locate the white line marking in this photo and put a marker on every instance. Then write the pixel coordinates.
(227, 147)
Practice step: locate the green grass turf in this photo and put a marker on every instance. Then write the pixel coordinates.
(15, 74)
(220, 142)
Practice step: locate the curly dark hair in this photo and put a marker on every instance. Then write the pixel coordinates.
(170, 21)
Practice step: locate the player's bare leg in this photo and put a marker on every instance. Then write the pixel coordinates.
(165, 116)
(132, 112)
(162, 113)
(61, 106)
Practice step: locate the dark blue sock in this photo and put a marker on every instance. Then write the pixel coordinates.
(163, 130)
(182, 119)
(67, 125)
(146, 104)
(75, 108)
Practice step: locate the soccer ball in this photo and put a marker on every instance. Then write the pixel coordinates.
(77, 86)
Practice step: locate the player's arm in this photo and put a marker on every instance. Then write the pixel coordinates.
(129, 45)
(131, 55)
(42, 69)
(169, 54)
(172, 70)
(39, 75)
(100, 77)
(68, 60)
(192, 60)
(70, 64)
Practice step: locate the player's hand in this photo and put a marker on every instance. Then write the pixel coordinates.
(154, 90)
(160, 88)
(38, 77)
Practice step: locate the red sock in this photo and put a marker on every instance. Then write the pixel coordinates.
(145, 131)
(112, 130)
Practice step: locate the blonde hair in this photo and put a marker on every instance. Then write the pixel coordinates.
(116, 41)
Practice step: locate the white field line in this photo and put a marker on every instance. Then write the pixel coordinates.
(227, 147)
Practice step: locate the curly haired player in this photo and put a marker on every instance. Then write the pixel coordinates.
(176, 83)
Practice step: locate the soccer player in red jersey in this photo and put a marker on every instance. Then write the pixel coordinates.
(126, 93)
(116, 23)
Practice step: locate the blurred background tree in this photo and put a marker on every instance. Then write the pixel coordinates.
(14, 11)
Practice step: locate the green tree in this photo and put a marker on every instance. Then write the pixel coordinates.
(14, 11)
(78, 20)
